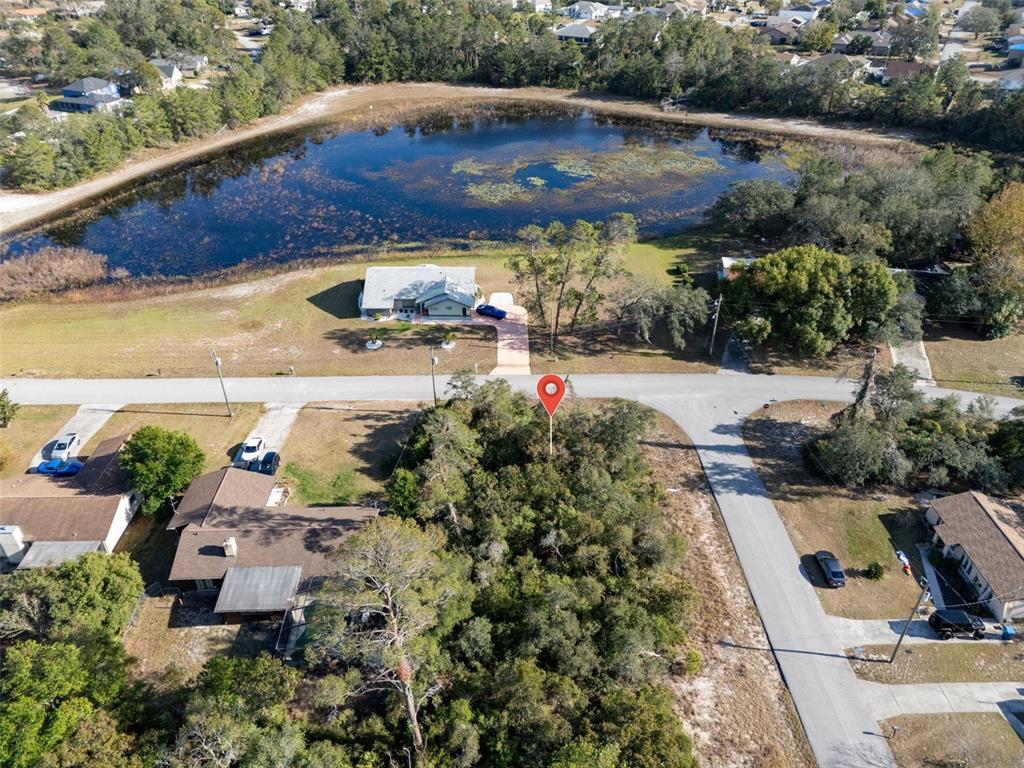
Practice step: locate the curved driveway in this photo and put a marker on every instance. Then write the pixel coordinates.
(834, 708)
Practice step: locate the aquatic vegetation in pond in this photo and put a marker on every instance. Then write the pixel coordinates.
(469, 166)
(645, 162)
(497, 192)
(536, 181)
(571, 165)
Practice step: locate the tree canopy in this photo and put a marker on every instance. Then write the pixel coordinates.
(160, 464)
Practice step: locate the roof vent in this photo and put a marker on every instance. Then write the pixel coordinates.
(230, 547)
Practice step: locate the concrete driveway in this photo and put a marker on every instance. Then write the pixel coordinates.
(85, 423)
(852, 633)
(513, 336)
(931, 698)
(275, 423)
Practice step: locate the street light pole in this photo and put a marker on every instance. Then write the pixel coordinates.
(223, 389)
(433, 379)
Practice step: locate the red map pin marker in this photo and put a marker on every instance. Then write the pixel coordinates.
(550, 390)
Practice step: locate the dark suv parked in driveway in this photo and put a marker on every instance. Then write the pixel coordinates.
(948, 623)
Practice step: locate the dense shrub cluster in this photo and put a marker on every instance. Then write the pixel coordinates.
(50, 269)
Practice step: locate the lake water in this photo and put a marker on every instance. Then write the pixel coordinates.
(442, 179)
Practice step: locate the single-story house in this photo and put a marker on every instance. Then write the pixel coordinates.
(170, 75)
(46, 520)
(192, 64)
(575, 33)
(427, 289)
(986, 538)
(781, 33)
(88, 94)
(881, 42)
(901, 70)
(1015, 53)
(855, 65)
(803, 12)
(683, 8)
(253, 555)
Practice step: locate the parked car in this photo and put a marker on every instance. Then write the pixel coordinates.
(949, 622)
(250, 450)
(268, 464)
(830, 566)
(66, 447)
(58, 468)
(491, 311)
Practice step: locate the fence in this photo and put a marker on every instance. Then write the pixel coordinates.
(156, 589)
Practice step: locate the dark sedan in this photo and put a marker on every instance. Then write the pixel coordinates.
(491, 311)
(832, 569)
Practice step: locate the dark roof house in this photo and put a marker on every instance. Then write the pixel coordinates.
(88, 94)
(986, 538)
(231, 540)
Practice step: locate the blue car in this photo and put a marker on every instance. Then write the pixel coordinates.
(58, 468)
(487, 309)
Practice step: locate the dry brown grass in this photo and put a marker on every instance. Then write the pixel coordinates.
(962, 360)
(50, 269)
(307, 319)
(353, 440)
(28, 432)
(604, 352)
(736, 708)
(151, 545)
(170, 642)
(217, 435)
(847, 361)
(857, 527)
(977, 739)
(950, 662)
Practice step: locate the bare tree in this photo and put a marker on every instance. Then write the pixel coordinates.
(392, 586)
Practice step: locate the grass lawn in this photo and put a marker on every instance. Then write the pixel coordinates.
(700, 249)
(306, 319)
(967, 739)
(208, 423)
(976, 662)
(857, 528)
(962, 360)
(604, 352)
(335, 451)
(28, 432)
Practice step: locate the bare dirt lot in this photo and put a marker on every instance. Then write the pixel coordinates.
(735, 707)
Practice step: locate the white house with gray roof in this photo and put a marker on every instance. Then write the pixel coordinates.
(426, 290)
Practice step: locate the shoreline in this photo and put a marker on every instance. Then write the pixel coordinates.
(20, 210)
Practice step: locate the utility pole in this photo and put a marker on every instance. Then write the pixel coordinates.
(921, 598)
(223, 389)
(714, 330)
(433, 380)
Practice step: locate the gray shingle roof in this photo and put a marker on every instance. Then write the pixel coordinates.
(45, 553)
(386, 284)
(991, 534)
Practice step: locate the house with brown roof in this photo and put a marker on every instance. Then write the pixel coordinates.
(46, 520)
(253, 555)
(986, 538)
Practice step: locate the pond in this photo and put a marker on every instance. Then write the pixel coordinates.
(443, 179)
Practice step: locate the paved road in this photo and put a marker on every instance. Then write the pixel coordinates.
(839, 719)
